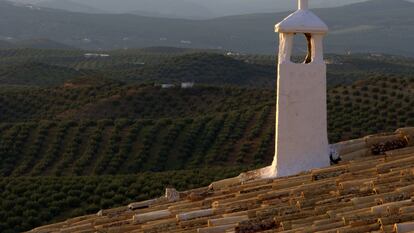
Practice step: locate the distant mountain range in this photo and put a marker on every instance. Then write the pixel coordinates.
(69, 5)
(34, 44)
(6, 45)
(189, 9)
(378, 26)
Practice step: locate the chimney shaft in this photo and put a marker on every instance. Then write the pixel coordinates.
(303, 4)
(301, 137)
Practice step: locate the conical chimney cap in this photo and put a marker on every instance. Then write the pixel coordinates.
(302, 21)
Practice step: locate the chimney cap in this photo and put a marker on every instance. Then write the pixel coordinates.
(302, 21)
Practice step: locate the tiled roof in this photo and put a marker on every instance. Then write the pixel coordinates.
(370, 190)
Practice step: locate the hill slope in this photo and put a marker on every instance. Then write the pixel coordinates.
(174, 65)
(50, 199)
(375, 30)
(6, 45)
(69, 5)
(41, 44)
(35, 74)
(93, 143)
(74, 132)
(205, 68)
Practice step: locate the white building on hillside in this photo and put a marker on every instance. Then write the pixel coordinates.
(186, 85)
(95, 55)
(167, 86)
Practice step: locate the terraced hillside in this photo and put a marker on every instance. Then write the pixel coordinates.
(379, 104)
(28, 202)
(80, 59)
(172, 65)
(120, 129)
(136, 66)
(99, 132)
(39, 74)
(103, 99)
(128, 146)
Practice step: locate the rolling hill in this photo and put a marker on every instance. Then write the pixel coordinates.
(35, 74)
(33, 44)
(205, 68)
(53, 67)
(79, 132)
(84, 130)
(40, 44)
(6, 45)
(375, 30)
(106, 127)
(77, 122)
(50, 199)
(125, 133)
(69, 5)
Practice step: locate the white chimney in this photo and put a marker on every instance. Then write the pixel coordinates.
(301, 118)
